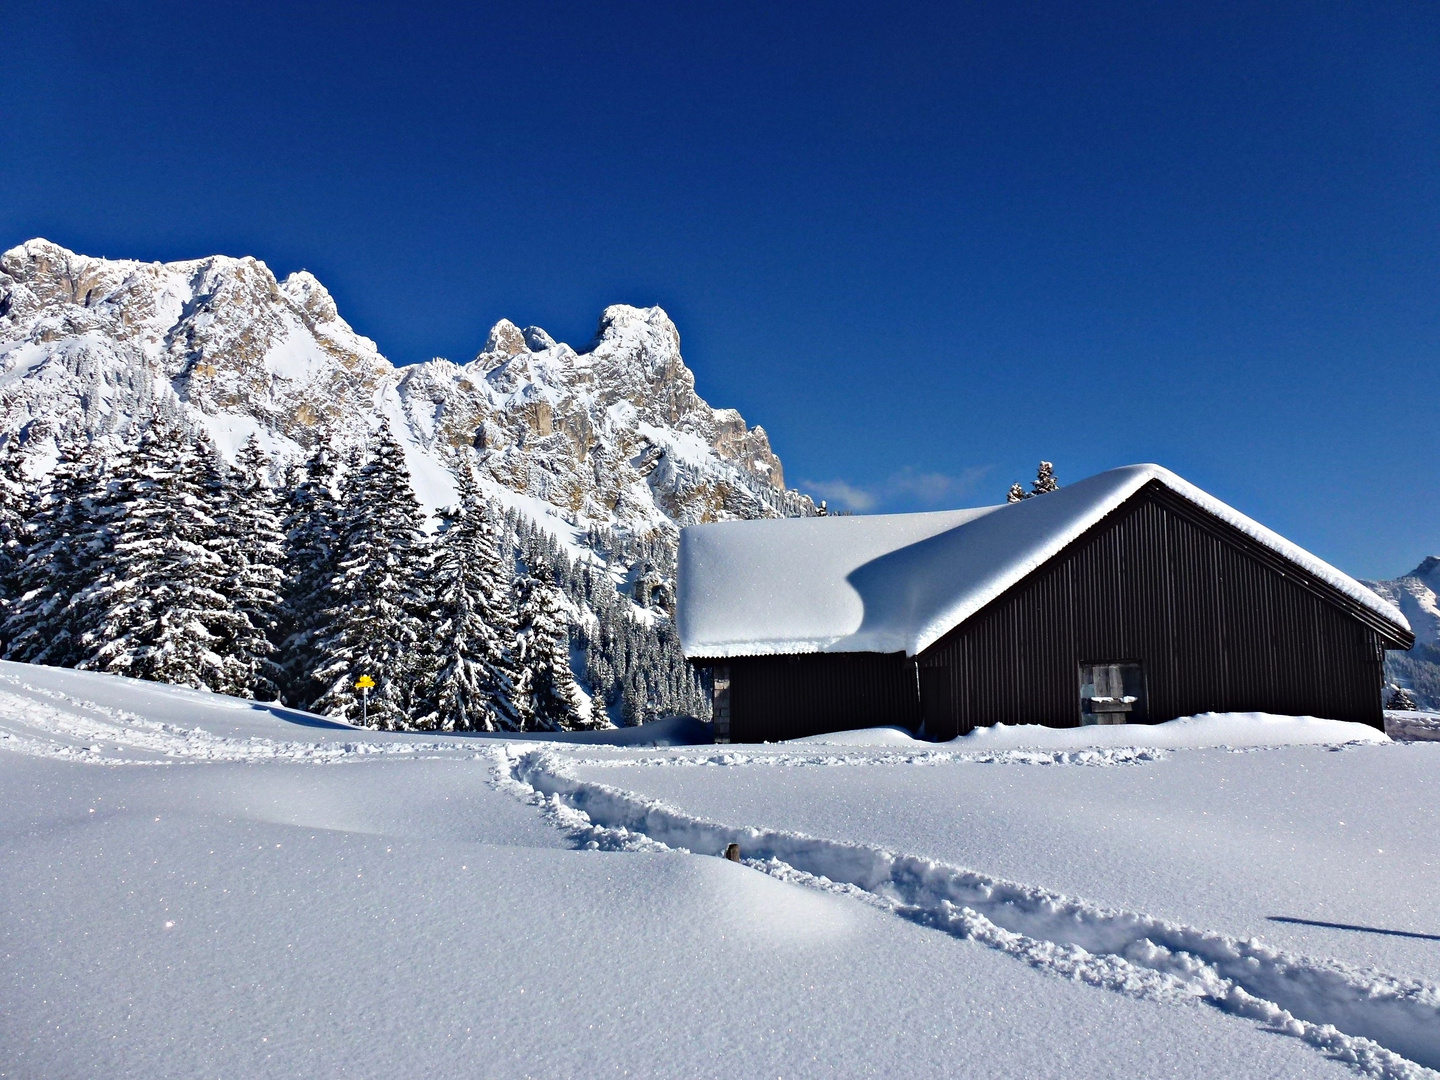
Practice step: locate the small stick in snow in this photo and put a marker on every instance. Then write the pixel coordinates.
(732, 852)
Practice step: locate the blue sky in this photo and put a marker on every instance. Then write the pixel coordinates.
(924, 246)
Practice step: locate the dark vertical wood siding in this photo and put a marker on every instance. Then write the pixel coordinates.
(1219, 623)
(788, 697)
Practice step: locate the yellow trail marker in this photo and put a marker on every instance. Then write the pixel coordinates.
(364, 684)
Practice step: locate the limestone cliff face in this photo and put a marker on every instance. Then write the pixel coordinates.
(613, 434)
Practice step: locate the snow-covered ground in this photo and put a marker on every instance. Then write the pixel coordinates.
(194, 886)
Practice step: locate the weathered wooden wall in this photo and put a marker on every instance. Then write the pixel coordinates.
(787, 697)
(1218, 621)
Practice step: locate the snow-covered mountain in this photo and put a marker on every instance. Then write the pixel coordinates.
(613, 434)
(1417, 595)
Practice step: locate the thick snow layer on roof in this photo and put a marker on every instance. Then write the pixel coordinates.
(790, 585)
(900, 582)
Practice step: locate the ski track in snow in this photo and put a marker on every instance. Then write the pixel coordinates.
(1383, 1026)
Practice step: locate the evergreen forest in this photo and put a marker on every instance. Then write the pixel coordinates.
(168, 563)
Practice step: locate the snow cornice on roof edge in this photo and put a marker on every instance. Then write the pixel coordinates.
(893, 583)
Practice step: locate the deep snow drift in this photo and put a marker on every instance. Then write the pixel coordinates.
(191, 886)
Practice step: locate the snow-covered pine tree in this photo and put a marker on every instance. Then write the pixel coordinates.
(1045, 481)
(634, 666)
(312, 539)
(15, 506)
(546, 696)
(1400, 699)
(250, 542)
(66, 539)
(604, 685)
(160, 611)
(374, 624)
(470, 673)
(1016, 494)
(636, 708)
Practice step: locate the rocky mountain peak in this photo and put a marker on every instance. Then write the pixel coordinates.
(649, 328)
(41, 257)
(311, 297)
(93, 348)
(39, 274)
(1417, 595)
(505, 340)
(635, 357)
(1426, 568)
(537, 340)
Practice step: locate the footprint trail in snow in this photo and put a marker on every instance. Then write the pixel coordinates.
(1384, 1026)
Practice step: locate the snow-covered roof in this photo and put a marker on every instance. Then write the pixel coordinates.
(893, 582)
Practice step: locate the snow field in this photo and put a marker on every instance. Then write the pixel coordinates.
(400, 917)
(50, 712)
(1413, 726)
(1366, 1016)
(272, 894)
(1229, 841)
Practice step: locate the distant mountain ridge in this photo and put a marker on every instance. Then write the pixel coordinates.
(613, 434)
(1417, 595)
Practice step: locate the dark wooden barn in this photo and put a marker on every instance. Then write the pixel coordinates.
(1131, 597)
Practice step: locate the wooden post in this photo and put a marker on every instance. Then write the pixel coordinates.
(720, 674)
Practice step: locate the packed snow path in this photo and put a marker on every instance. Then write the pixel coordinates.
(191, 885)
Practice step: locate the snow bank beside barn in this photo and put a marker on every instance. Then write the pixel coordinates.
(1206, 731)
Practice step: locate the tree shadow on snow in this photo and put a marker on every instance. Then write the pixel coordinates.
(295, 716)
(1354, 926)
